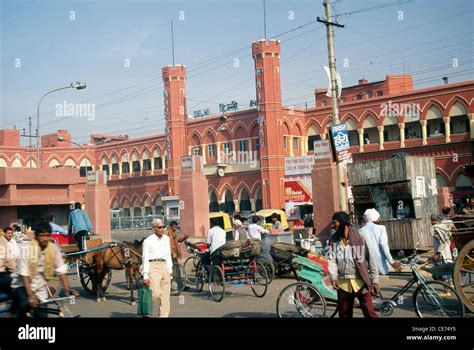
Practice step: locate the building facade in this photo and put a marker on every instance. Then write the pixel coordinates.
(244, 151)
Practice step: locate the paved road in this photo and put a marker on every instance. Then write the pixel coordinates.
(238, 302)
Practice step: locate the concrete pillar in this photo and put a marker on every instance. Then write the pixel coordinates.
(218, 150)
(253, 204)
(193, 192)
(249, 147)
(141, 166)
(361, 139)
(120, 170)
(237, 204)
(290, 146)
(444, 198)
(402, 134)
(322, 136)
(97, 199)
(381, 138)
(424, 132)
(304, 145)
(325, 189)
(163, 163)
(471, 124)
(447, 129)
(234, 147)
(203, 152)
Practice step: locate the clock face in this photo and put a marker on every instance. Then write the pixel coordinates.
(220, 172)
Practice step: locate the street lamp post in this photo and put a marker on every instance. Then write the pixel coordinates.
(60, 138)
(77, 85)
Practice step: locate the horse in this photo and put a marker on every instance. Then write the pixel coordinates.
(124, 255)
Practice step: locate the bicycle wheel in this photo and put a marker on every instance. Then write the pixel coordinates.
(437, 299)
(300, 300)
(200, 277)
(217, 283)
(268, 266)
(179, 279)
(260, 283)
(190, 267)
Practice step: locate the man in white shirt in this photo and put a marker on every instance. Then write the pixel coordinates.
(255, 230)
(158, 266)
(13, 250)
(216, 237)
(376, 235)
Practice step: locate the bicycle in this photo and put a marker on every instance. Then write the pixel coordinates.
(431, 298)
(178, 282)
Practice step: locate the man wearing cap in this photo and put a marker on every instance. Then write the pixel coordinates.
(158, 266)
(376, 235)
(240, 232)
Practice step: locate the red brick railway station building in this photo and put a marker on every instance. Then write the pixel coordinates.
(438, 122)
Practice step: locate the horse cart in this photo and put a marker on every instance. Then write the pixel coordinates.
(463, 273)
(95, 263)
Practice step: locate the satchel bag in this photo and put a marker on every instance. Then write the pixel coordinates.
(145, 302)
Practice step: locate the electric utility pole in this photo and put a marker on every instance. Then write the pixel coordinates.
(334, 92)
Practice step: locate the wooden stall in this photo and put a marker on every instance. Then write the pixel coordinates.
(403, 190)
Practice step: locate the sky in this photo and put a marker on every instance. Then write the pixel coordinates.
(119, 47)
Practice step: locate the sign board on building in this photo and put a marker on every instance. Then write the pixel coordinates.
(298, 190)
(186, 164)
(321, 149)
(340, 139)
(298, 165)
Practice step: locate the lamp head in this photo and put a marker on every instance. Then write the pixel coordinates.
(79, 85)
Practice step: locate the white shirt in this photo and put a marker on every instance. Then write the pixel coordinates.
(156, 248)
(38, 283)
(255, 231)
(216, 238)
(13, 249)
(376, 236)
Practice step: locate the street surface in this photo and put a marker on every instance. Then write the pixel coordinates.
(238, 301)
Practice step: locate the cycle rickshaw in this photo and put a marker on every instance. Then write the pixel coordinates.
(313, 296)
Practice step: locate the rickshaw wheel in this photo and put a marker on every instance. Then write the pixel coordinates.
(300, 300)
(86, 274)
(260, 281)
(268, 264)
(217, 283)
(463, 274)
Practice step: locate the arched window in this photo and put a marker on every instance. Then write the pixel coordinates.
(353, 134)
(125, 164)
(157, 160)
(146, 161)
(105, 166)
(435, 123)
(459, 121)
(463, 181)
(391, 130)
(440, 181)
(3, 163)
(371, 134)
(85, 167)
(213, 203)
(115, 165)
(313, 135)
(54, 163)
(229, 202)
(244, 204)
(148, 207)
(159, 210)
(135, 163)
(258, 199)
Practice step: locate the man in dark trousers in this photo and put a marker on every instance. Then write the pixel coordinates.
(352, 268)
(80, 223)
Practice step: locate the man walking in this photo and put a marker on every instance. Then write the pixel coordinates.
(40, 264)
(158, 266)
(80, 223)
(376, 235)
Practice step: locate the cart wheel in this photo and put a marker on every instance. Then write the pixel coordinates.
(437, 299)
(216, 283)
(464, 275)
(260, 281)
(190, 267)
(268, 266)
(179, 280)
(86, 274)
(300, 300)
